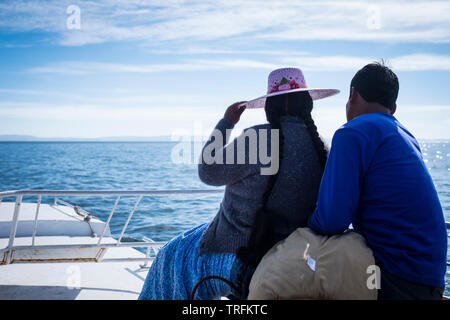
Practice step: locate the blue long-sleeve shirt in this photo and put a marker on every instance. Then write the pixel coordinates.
(376, 180)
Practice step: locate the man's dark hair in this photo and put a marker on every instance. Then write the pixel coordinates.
(377, 83)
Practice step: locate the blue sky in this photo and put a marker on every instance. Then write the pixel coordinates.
(147, 68)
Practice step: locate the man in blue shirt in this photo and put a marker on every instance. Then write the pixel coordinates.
(376, 180)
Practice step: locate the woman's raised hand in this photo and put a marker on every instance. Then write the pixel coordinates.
(234, 112)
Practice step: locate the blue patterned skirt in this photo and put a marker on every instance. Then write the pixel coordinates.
(177, 268)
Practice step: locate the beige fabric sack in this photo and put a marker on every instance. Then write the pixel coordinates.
(310, 266)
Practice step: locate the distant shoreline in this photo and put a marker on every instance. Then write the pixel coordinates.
(88, 141)
(25, 138)
(162, 139)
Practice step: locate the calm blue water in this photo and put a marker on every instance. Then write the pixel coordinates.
(143, 166)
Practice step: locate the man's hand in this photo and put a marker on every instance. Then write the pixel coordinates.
(234, 112)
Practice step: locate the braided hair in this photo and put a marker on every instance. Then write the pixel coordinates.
(262, 236)
(300, 104)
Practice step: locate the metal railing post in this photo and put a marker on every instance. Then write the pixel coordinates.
(109, 219)
(128, 220)
(36, 219)
(14, 224)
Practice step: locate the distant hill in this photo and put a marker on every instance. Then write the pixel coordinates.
(17, 138)
(26, 138)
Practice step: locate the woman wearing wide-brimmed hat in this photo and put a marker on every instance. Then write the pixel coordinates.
(217, 258)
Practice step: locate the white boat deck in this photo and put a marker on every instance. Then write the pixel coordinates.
(69, 281)
(72, 279)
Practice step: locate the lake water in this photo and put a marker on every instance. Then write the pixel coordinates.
(143, 166)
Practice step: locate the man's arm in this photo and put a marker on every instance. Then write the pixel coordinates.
(340, 188)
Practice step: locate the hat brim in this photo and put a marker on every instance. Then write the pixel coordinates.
(315, 94)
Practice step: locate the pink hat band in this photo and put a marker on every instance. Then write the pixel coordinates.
(285, 79)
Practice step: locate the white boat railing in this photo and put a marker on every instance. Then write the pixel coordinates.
(6, 254)
(97, 250)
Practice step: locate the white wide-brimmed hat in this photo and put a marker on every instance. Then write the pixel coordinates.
(287, 80)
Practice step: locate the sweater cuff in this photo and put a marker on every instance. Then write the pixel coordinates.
(224, 124)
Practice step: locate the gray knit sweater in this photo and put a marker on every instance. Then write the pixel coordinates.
(293, 196)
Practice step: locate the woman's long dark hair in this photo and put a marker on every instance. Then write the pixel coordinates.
(262, 236)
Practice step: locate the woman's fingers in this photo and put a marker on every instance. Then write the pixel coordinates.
(239, 104)
(242, 105)
(234, 111)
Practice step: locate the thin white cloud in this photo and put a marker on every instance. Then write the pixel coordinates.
(415, 62)
(421, 62)
(40, 111)
(84, 68)
(23, 92)
(427, 121)
(423, 121)
(151, 22)
(106, 98)
(387, 21)
(198, 50)
(71, 120)
(444, 109)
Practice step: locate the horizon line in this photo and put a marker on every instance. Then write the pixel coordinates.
(162, 138)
